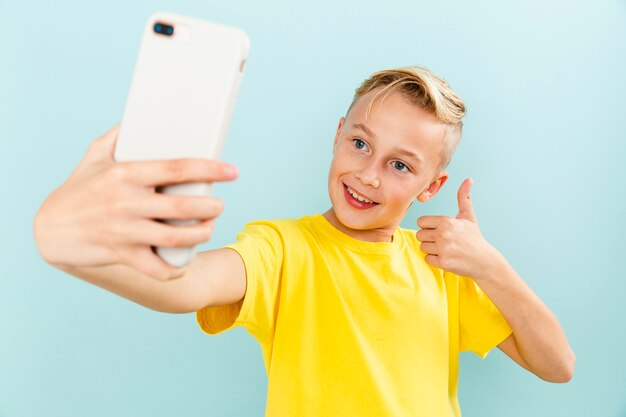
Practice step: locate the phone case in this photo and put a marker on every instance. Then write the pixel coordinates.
(181, 100)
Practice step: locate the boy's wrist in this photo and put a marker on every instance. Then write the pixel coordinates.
(494, 268)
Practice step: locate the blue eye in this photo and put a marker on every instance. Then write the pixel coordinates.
(358, 143)
(400, 166)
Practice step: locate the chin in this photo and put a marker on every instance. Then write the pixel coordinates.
(355, 220)
(355, 225)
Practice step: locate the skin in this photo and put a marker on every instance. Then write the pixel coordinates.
(379, 170)
(103, 214)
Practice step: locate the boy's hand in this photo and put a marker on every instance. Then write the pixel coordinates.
(104, 213)
(456, 244)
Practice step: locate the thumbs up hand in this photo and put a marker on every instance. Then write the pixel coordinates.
(456, 244)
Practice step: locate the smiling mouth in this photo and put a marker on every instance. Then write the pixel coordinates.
(357, 200)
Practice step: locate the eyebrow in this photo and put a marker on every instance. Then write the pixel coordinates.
(403, 151)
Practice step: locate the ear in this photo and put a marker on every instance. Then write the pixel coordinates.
(341, 122)
(433, 188)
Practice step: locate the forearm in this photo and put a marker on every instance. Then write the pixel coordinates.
(539, 337)
(181, 295)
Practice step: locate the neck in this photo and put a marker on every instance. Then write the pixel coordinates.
(384, 234)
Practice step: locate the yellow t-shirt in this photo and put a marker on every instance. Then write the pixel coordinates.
(354, 328)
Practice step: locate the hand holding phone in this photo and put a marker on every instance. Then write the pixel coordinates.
(104, 212)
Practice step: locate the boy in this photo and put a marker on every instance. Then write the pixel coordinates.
(355, 316)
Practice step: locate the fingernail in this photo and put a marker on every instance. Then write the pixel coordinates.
(231, 170)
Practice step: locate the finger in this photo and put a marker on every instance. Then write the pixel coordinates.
(432, 260)
(429, 248)
(104, 146)
(155, 233)
(147, 262)
(426, 235)
(177, 171)
(466, 209)
(430, 222)
(161, 206)
(100, 149)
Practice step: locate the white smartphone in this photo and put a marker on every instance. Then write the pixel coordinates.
(181, 99)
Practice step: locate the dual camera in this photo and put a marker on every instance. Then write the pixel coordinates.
(163, 29)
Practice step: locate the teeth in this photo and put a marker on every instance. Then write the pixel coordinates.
(358, 196)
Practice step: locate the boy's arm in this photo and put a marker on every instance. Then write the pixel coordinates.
(509, 347)
(456, 245)
(100, 226)
(538, 342)
(213, 278)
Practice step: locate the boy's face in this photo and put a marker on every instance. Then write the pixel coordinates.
(389, 159)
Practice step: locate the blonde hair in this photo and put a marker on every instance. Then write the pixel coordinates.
(423, 88)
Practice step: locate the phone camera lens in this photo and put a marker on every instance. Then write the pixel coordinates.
(163, 29)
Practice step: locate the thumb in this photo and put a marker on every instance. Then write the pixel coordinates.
(101, 149)
(109, 140)
(466, 209)
(104, 146)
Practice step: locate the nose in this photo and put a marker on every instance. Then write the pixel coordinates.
(368, 175)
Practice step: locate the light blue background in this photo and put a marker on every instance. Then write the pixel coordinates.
(545, 85)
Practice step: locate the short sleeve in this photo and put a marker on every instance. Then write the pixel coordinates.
(481, 325)
(260, 246)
